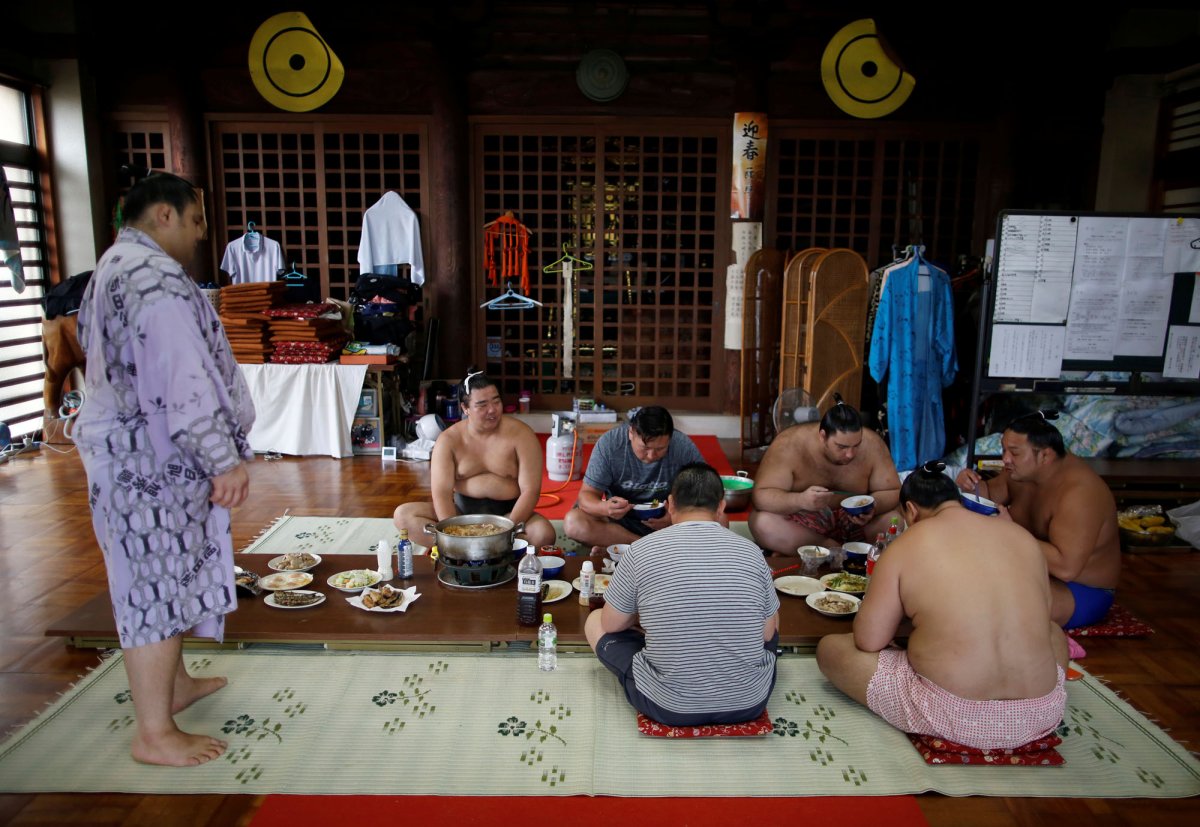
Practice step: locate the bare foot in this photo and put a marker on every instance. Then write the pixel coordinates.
(177, 749)
(193, 689)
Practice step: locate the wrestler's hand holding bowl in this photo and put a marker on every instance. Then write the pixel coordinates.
(858, 504)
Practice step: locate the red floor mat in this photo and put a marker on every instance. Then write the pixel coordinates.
(852, 811)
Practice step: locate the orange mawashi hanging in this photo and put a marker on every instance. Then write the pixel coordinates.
(506, 251)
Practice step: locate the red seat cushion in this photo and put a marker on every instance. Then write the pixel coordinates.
(759, 726)
(1039, 753)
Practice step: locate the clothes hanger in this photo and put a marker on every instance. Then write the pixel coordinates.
(578, 263)
(511, 300)
(252, 241)
(294, 272)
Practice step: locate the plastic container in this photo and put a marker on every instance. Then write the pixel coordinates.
(547, 644)
(383, 560)
(587, 583)
(876, 552)
(404, 556)
(529, 589)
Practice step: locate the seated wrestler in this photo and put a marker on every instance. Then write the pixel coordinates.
(487, 463)
(632, 463)
(985, 664)
(1067, 507)
(806, 473)
(690, 666)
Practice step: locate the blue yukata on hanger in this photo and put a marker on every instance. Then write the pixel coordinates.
(913, 346)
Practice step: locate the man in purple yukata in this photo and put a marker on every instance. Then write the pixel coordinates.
(162, 436)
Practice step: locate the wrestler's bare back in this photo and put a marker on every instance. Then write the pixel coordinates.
(976, 590)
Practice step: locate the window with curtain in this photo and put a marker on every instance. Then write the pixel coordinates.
(22, 369)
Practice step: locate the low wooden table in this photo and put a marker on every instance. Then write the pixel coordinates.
(443, 618)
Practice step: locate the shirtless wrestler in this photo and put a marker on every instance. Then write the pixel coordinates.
(806, 473)
(488, 463)
(1067, 507)
(985, 664)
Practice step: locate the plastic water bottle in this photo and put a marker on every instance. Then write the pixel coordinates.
(547, 644)
(404, 556)
(529, 589)
(875, 552)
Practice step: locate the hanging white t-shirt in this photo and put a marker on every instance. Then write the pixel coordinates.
(391, 235)
(244, 266)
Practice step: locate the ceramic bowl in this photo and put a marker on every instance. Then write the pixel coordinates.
(616, 550)
(858, 504)
(552, 567)
(648, 511)
(519, 547)
(856, 557)
(978, 504)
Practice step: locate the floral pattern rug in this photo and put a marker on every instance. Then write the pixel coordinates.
(315, 722)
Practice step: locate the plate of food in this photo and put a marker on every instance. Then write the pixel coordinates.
(285, 580)
(797, 585)
(354, 580)
(833, 604)
(294, 561)
(601, 583)
(384, 599)
(297, 599)
(555, 590)
(845, 582)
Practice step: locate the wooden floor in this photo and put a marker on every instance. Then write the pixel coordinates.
(50, 564)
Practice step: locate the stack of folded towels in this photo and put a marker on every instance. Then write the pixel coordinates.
(306, 333)
(243, 313)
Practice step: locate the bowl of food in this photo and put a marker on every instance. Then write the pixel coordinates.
(978, 504)
(738, 488)
(616, 550)
(858, 504)
(856, 557)
(649, 511)
(519, 547)
(552, 567)
(1145, 530)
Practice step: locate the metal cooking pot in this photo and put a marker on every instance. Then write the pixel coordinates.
(738, 489)
(471, 549)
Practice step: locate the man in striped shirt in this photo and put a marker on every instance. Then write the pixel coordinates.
(704, 598)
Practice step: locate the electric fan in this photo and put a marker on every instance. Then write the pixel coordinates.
(792, 407)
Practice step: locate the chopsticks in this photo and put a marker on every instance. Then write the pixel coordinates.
(786, 568)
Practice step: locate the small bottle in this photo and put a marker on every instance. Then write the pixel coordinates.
(529, 589)
(893, 531)
(547, 644)
(383, 560)
(404, 556)
(875, 552)
(587, 583)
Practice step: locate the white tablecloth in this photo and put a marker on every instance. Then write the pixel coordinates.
(304, 409)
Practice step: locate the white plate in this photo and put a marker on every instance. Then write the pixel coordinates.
(410, 594)
(828, 578)
(371, 581)
(285, 580)
(812, 599)
(797, 585)
(276, 563)
(601, 582)
(270, 600)
(556, 590)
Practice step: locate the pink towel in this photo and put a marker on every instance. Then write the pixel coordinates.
(1074, 649)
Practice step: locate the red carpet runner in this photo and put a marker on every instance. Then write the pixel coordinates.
(843, 811)
(559, 497)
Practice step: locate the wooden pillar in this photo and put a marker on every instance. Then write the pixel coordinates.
(448, 285)
(186, 124)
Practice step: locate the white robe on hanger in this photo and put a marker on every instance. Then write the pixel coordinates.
(391, 235)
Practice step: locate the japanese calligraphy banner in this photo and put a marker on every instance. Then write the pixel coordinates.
(749, 166)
